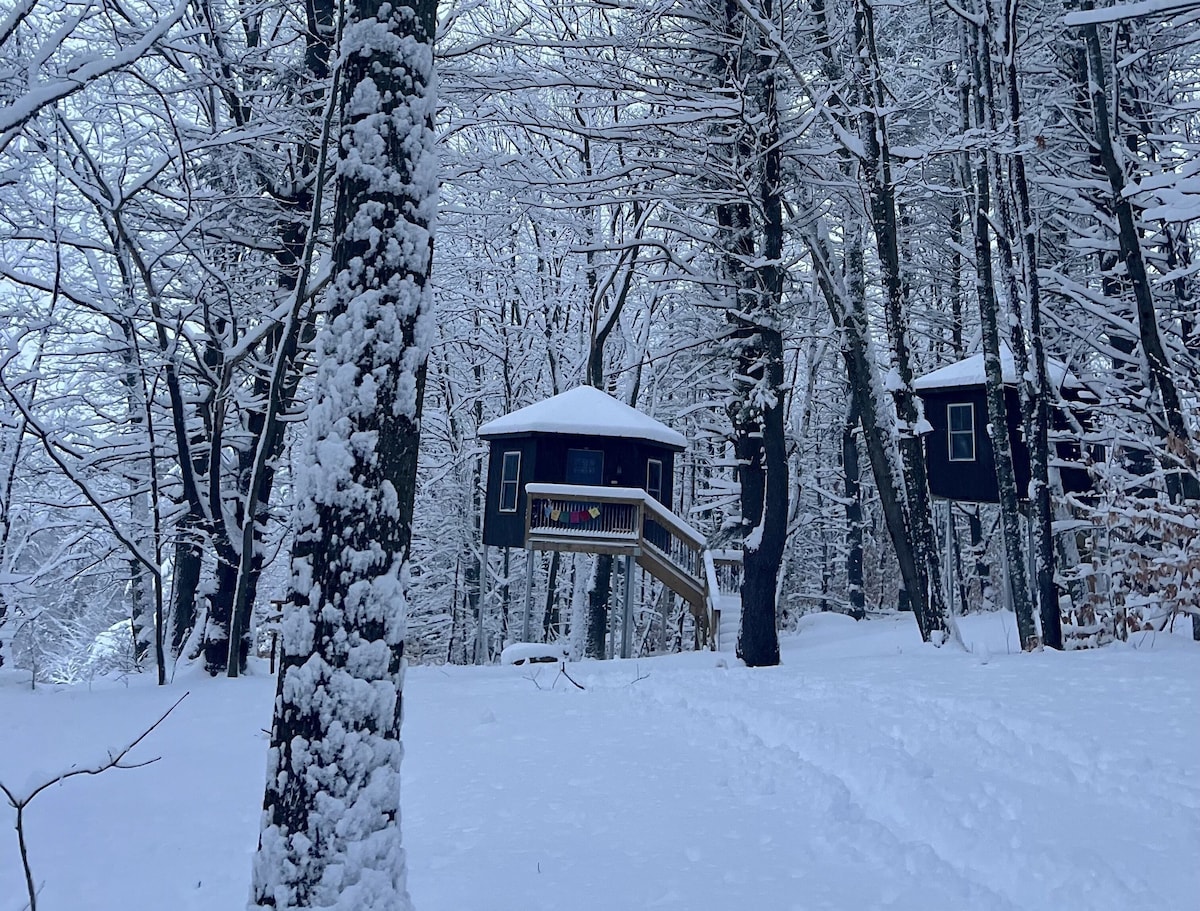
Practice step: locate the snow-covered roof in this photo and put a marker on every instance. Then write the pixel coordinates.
(970, 372)
(587, 411)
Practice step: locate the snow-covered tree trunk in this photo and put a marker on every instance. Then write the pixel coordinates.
(852, 494)
(331, 836)
(926, 594)
(1178, 453)
(989, 319)
(1031, 360)
(277, 390)
(751, 235)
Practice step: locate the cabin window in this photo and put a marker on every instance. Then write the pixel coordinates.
(510, 477)
(654, 479)
(585, 467)
(962, 432)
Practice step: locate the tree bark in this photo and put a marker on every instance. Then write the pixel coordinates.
(335, 741)
(997, 410)
(1036, 393)
(854, 520)
(752, 239)
(1179, 455)
(926, 589)
(597, 609)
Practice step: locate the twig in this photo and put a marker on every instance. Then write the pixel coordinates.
(562, 670)
(114, 761)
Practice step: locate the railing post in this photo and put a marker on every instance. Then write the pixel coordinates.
(528, 516)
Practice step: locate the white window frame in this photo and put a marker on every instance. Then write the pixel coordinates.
(951, 432)
(657, 494)
(515, 483)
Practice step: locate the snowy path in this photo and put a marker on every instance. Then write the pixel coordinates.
(868, 772)
(849, 785)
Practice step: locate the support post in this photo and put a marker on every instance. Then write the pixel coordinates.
(950, 566)
(1006, 582)
(527, 621)
(627, 610)
(480, 631)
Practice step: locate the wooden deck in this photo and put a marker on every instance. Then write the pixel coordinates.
(626, 521)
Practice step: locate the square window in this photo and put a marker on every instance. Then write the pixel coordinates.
(585, 467)
(510, 481)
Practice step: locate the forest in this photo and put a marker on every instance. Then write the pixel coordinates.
(757, 221)
(903, 292)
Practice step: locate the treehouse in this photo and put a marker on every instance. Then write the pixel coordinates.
(580, 438)
(958, 449)
(582, 472)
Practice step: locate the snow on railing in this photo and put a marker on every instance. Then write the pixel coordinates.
(711, 597)
(674, 539)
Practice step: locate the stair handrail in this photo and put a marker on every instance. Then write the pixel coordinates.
(698, 563)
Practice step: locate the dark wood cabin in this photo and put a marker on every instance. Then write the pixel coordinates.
(958, 450)
(582, 437)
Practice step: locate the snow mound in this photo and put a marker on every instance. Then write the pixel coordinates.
(532, 653)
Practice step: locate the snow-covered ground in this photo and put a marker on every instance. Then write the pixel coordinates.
(867, 772)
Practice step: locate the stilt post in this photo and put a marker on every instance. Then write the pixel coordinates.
(627, 610)
(527, 621)
(950, 565)
(480, 631)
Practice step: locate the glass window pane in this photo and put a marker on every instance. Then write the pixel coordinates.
(510, 476)
(585, 466)
(654, 478)
(962, 447)
(512, 466)
(962, 417)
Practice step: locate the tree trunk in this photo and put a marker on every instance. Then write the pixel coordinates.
(277, 390)
(1010, 517)
(983, 571)
(854, 520)
(1179, 457)
(1036, 393)
(597, 609)
(550, 614)
(188, 562)
(752, 240)
(335, 740)
(926, 589)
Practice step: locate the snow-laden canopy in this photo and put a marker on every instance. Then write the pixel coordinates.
(970, 372)
(587, 411)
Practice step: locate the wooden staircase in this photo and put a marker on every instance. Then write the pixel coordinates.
(628, 521)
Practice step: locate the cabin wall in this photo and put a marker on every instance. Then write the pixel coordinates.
(975, 482)
(544, 461)
(506, 529)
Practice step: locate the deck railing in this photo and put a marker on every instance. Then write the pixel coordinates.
(556, 510)
(620, 520)
(676, 541)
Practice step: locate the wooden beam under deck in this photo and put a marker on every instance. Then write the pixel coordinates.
(578, 544)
